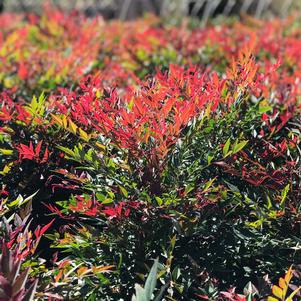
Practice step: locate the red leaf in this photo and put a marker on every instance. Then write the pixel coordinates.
(22, 71)
(46, 156)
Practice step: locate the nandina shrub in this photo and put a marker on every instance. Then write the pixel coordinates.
(181, 144)
(207, 198)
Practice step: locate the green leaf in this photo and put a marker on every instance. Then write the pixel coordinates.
(20, 201)
(145, 294)
(124, 191)
(36, 106)
(173, 241)
(159, 200)
(67, 151)
(209, 159)
(176, 273)
(269, 205)
(100, 197)
(151, 280)
(140, 294)
(208, 184)
(34, 103)
(84, 135)
(226, 148)
(265, 109)
(189, 188)
(232, 187)
(284, 193)
(238, 147)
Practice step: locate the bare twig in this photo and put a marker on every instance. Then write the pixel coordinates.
(125, 9)
(197, 6)
(245, 6)
(228, 8)
(286, 6)
(209, 10)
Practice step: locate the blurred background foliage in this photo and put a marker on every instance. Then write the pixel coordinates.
(175, 9)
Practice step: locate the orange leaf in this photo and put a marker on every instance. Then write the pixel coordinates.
(102, 269)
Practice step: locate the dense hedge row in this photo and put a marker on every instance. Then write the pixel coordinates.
(125, 144)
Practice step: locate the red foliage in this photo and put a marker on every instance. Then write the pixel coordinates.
(28, 152)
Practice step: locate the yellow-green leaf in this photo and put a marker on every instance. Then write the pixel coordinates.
(208, 184)
(101, 146)
(238, 147)
(72, 127)
(6, 151)
(284, 193)
(64, 122)
(84, 135)
(124, 191)
(6, 169)
(226, 148)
